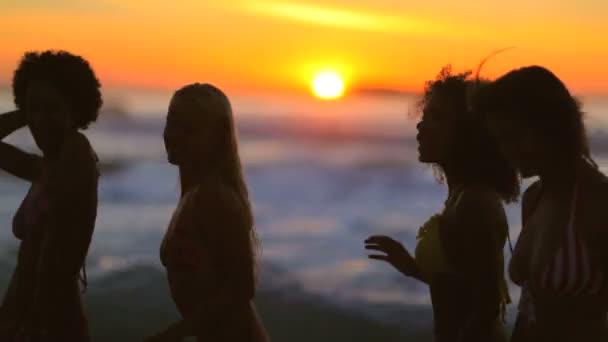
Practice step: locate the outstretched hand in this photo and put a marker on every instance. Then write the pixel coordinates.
(395, 254)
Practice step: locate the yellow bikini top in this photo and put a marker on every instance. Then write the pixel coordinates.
(431, 259)
(429, 253)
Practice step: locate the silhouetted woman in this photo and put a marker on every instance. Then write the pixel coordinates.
(56, 94)
(561, 256)
(460, 250)
(209, 247)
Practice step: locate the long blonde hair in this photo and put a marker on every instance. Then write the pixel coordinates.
(215, 104)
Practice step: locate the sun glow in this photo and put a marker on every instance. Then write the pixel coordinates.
(328, 85)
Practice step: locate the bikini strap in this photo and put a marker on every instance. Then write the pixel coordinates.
(82, 277)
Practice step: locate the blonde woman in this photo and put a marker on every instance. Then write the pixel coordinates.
(209, 247)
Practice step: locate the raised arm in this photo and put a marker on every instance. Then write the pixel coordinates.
(13, 160)
(10, 122)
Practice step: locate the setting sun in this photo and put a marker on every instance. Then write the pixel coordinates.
(328, 85)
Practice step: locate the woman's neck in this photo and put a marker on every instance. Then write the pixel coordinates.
(189, 178)
(54, 152)
(192, 176)
(453, 179)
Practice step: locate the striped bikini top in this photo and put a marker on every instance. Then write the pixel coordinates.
(571, 271)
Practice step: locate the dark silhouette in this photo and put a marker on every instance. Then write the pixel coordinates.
(209, 248)
(561, 256)
(460, 251)
(56, 94)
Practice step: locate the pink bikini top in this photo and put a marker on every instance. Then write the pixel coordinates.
(571, 271)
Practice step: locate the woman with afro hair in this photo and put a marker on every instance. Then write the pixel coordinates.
(56, 94)
(459, 251)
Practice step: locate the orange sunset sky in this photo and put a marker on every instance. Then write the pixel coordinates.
(276, 45)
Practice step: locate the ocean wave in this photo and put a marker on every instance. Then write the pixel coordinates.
(133, 302)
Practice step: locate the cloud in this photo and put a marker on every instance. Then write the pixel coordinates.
(97, 7)
(344, 18)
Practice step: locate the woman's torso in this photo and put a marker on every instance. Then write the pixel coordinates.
(29, 225)
(556, 263)
(186, 257)
(451, 292)
(33, 224)
(193, 274)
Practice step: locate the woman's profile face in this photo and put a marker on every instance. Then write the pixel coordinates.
(435, 132)
(517, 142)
(49, 116)
(187, 137)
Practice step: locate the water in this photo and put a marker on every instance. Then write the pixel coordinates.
(321, 182)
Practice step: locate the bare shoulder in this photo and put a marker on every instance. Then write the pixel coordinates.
(78, 146)
(479, 208)
(594, 208)
(479, 199)
(532, 191)
(597, 185)
(77, 164)
(600, 182)
(530, 197)
(77, 156)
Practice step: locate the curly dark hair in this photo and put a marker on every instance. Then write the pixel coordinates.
(536, 97)
(475, 157)
(70, 74)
